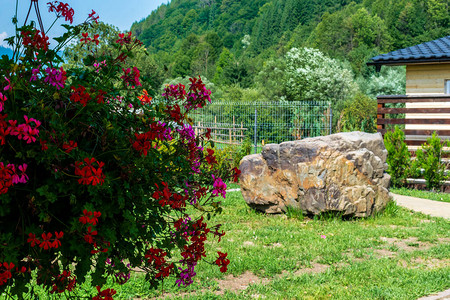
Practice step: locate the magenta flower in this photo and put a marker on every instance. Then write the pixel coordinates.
(219, 187)
(2, 101)
(55, 77)
(34, 74)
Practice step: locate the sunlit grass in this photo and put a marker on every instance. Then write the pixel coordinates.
(393, 255)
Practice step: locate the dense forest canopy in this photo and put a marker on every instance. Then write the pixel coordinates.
(243, 48)
(195, 32)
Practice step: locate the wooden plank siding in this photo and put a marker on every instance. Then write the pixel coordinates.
(388, 117)
(427, 79)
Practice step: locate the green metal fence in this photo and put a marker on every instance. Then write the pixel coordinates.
(263, 122)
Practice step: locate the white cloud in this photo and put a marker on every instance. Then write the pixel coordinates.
(3, 43)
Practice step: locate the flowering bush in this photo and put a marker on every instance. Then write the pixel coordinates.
(95, 175)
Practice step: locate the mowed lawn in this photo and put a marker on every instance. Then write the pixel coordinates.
(394, 255)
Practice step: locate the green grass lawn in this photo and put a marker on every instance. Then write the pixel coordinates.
(394, 255)
(444, 197)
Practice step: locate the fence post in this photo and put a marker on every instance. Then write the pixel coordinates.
(215, 129)
(256, 124)
(331, 119)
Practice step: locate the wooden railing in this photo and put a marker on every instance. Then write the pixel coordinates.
(223, 133)
(389, 116)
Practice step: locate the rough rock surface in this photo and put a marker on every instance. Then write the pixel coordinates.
(343, 172)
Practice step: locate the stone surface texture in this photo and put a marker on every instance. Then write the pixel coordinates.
(343, 172)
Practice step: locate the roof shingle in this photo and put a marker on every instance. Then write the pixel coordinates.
(433, 51)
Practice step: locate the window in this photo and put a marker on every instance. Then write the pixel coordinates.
(447, 86)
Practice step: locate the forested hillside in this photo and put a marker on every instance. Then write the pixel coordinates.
(197, 31)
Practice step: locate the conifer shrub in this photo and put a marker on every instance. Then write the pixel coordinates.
(398, 158)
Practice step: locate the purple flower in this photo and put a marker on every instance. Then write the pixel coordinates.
(55, 77)
(34, 74)
(187, 133)
(186, 275)
(219, 187)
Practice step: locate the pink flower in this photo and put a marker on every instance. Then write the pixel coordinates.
(56, 77)
(323, 236)
(2, 101)
(9, 84)
(219, 187)
(34, 74)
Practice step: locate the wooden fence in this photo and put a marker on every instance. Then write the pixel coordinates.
(387, 117)
(223, 133)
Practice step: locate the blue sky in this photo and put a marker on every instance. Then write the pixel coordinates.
(117, 12)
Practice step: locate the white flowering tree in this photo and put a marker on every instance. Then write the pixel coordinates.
(310, 75)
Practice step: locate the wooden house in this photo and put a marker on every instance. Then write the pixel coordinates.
(427, 90)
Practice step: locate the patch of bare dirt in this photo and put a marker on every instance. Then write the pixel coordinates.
(429, 263)
(248, 243)
(234, 284)
(384, 253)
(315, 268)
(409, 244)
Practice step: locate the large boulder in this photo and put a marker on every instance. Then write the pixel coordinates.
(343, 172)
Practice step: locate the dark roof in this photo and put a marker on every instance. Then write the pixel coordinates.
(433, 51)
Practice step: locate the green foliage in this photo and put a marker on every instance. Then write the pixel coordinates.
(230, 156)
(429, 158)
(398, 158)
(389, 81)
(359, 114)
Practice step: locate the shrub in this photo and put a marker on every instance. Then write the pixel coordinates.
(95, 176)
(358, 114)
(398, 159)
(230, 156)
(429, 158)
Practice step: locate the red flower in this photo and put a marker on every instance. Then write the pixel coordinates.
(90, 217)
(105, 294)
(100, 96)
(46, 244)
(124, 39)
(33, 240)
(68, 147)
(85, 38)
(93, 16)
(208, 133)
(155, 258)
(5, 272)
(80, 95)
(236, 174)
(89, 236)
(222, 261)
(131, 76)
(89, 174)
(44, 146)
(56, 243)
(210, 158)
(38, 41)
(61, 9)
(95, 39)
